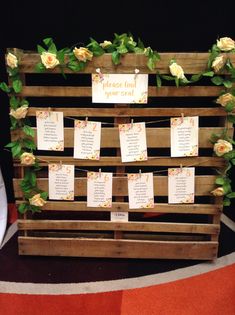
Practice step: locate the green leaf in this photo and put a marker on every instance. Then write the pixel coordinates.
(228, 84)
(219, 181)
(60, 56)
(17, 86)
(29, 144)
(230, 155)
(217, 80)
(195, 77)
(167, 77)
(177, 82)
(11, 144)
(16, 150)
(226, 202)
(95, 47)
(33, 179)
(116, 57)
(229, 106)
(122, 49)
(14, 102)
(231, 118)
(4, 87)
(40, 67)
(48, 41)
(35, 209)
(28, 131)
(140, 44)
(52, 49)
(158, 81)
(23, 207)
(208, 74)
(40, 49)
(227, 188)
(76, 65)
(44, 195)
(233, 161)
(231, 195)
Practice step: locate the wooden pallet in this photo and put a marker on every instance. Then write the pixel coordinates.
(186, 231)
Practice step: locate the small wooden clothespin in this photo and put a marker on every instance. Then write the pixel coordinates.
(182, 117)
(136, 72)
(140, 173)
(181, 168)
(99, 172)
(49, 110)
(60, 164)
(132, 121)
(86, 120)
(101, 76)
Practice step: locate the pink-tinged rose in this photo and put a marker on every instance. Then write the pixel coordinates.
(12, 61)
(222, 146)
(218, 63)
(27, 158)
(37, 201)
(176, 70)
(20, 112)
(218, 192)
(82, 54)
(49, 60)
(225, 44)
(224, 99)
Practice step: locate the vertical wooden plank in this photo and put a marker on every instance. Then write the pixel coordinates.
(120, 169)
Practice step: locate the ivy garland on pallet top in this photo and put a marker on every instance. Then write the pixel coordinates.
(76, 60)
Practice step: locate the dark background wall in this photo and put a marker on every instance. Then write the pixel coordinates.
(164, 25)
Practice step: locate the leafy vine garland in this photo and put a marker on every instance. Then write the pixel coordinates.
(76, 60)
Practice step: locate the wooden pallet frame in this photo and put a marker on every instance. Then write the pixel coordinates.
(135, 239)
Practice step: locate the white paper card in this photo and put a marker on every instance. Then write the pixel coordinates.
(140, 190)
(119, 216)
(119, 88)
(61, 182)
(87, 137)
(50, 130)
(133, 142)
(99, 189)
(181, 185)
(184, 136)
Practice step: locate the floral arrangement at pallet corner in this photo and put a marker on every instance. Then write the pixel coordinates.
(76, 60)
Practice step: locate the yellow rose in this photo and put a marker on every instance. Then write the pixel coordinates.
(49, 60)
(226, 43)
(36, 200)
(176, 70)
(218, 192)
(27, 158)
(218, 63)
(222, 146)
(105, 44)
(224, 99)
(12, 61)
(82, 54)
(20, 112)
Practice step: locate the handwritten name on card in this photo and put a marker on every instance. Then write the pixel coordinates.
(119, 88)
(133, 142)
(87, 137)
(184, 136)
(61, 181)
(50, 130)
(181, 185)
(119, 216)
(140, 190)
(99, 189)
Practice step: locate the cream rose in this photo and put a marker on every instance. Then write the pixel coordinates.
(82, 54)
(222, 146)
(49, 60)
(224, 99)
(12, 61)
(27, 158)
(20, 112)
(176, 70)
(218, 63)
(218, 192)
(37, 200)
(225, 43)
(105, 44)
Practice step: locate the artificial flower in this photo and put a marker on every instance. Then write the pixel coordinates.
(82, 54)
(224, 99)
(218, 192)
(105, 44)
(225, 44)
(27, 158)
(49, 60)
(37, 201)
(12, 61)
(222, 146)
(20, 112)
(218, 63)
(176, 70)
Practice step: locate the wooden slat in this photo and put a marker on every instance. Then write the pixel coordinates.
(204, 184)
(196, 228)
(156, 137)
(191, 63)
(133, 112)
(116, 248)
(164, 91)
(206, 161)
(124, 207)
